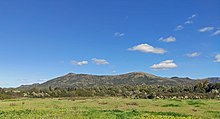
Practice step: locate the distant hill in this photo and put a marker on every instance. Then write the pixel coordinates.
(214, 80)
(134, 78)
(29, 86)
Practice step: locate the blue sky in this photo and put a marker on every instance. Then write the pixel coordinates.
(43, 39)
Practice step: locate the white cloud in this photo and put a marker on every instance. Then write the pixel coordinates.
(79, 63)
(118, 34)
(206, 29)
(167, 64)
(41, 80)
(217, 58)
(179, 27)
(194, 54)
(193, 16)
(188, 22)
(100, 61)
(216, 33)
(168, 39)
(147, 49)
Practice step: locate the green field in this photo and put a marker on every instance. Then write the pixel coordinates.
(108, 108)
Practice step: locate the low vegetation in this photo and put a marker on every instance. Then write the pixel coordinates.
(109, 108)
(201, 90)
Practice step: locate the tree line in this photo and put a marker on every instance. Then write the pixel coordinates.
(202, 90)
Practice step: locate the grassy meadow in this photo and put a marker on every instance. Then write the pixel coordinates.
(108, 108)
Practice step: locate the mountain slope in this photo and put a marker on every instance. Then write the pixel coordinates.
(214, 80)
(134, 78)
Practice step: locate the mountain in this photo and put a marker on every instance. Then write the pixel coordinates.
(29, 86)
(134, 78)
(214, 80)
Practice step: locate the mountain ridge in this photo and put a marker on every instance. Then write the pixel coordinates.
(74, 80)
